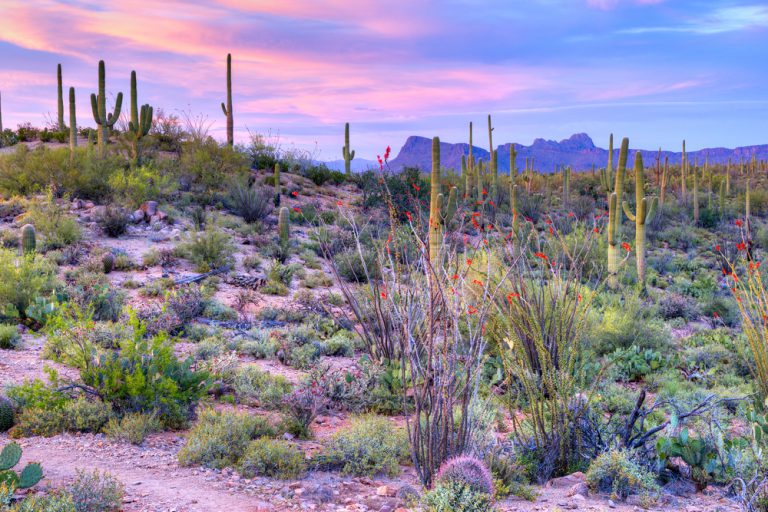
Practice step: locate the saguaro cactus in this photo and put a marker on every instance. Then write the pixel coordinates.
(513, 205)
(141, 121)
(60, 97)
(645, 209)
(614, 216)
(470, 166)
(695, 193)
(722, 199)
(663, 182)
(72, 124)
(103, 119)
(435, 228)
(684, 177)
(747, 208)
(493, 163)
(283, 228)
(227, 109)
(349, 155)
(606, 174)
(277, 183)
(566, 172)
(28, 239)
(728, 178)
(451, 206)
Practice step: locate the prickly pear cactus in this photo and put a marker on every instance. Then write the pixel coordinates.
(30, 475)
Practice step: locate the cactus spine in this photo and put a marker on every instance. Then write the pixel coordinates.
(60, 97)
(645, 209)
(141, 121)
(435, 229)
(277, 184)
(227, 109)
(103, 119)
(283, 228)
(28, 239)
(349, 155)
(72, 124)
(614, 216)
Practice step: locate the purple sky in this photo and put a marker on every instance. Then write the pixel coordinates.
(653, 70)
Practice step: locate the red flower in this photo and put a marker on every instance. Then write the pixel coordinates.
(717, 247)
(626, 246)
(386, 153)
(297, 209)
(551, 231)
(295, 194)
(485, 192)
(739, 222)
(408, 214)
(512, 296)
(579, 298)
(416, 187)
(477, 282)
(541, 255)
(571, 214)
(741, 246)
(455, 276)
(339, 203)
(383, 295)
(715, 315)
(469, 261)
(596, 230)
(472, 310)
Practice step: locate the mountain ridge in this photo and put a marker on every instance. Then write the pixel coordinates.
(578, 151)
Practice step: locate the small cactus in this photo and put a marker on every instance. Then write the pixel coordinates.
(6, 414)
(469, 471)
(28, 239)
(108, 261)
(30, 475)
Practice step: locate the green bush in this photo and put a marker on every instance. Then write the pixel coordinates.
(371, 445)
(617, 473)
(53, 502)
(254, 385)
(625, 322)
(272, 458)
(251, 203)
(9, 337)
(356, 270)
(81, 415)
(52, 222)
(207, 249)
(209, 165)
(22, 280)
(219, 439)
(133, 427)
(96, 492)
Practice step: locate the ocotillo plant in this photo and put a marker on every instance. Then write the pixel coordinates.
(695, 193)
(606, 174)
(614, 216)
(435, 228)
(72, 124)
(645, 209)
(277, 183)
(60, 97)
(141, 121)
(348, 154)
(103, 119)
(227, 109)
(28, 239)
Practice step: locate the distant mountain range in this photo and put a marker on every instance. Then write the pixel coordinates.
(358, 165)
(577, 151)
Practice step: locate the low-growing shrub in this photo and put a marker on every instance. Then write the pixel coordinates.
(56, 227)
(251, 203)
(96, 492)
(9, 337)
(207, 249)
(22, 280)
(254, 385)
(272, 458)
(371, 445)
(355, 269)
(456, 497)
(114, 221)
(219, 439)
(617, 473)
(133, 427)
(302, 406)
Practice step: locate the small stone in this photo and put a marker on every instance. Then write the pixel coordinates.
(580, 488)
(611, 504)
(385, 490)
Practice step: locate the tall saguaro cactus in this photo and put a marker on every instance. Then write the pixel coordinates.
(349, 155)
(435, 227)
(103, 119)
(60, 97)
(141, 121)
(227, 109)
(493, 163)
(614, 216)
(606, 174)
(645, 209)
(72, 124)
(470, 165)
(695, 193)
(684, 177)
(664, 181)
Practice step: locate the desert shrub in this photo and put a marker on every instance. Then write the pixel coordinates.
(456, 497)
(340, 344)
(144, 375)
(625, 322)
(186, 302)
(96, 492)
(92, 291)
(260, 344)
(632, 364)
(22, 280)
(34, 393)
(583, 208)
(355, 269)
(54, 225)
(317, 279)
(114, 221)
(133, 427)
(219, 439)
(52, 502)
(617, 473)
(272, 458)
(301, 407)
(319, 174)
(8, 138)
(253, 384)
(9, 337)
(304, 356)
(673, 305)
(371, 445)
(209, 165)
(79, 415)
(207, 249)
(216, 310)
(251, 203)
(138, 184)
(722, 310)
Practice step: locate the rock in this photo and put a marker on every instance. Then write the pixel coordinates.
(77, 204)
(385, 490)
(137, 216)
(408, 493)
(567, 481)
(578, 489)
(149, 208)
(611, 504)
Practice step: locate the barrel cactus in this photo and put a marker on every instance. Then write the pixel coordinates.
(469, 471)
(108, 261)
(6, 414)
(28, 239)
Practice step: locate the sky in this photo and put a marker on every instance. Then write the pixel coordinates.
(656, 71)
